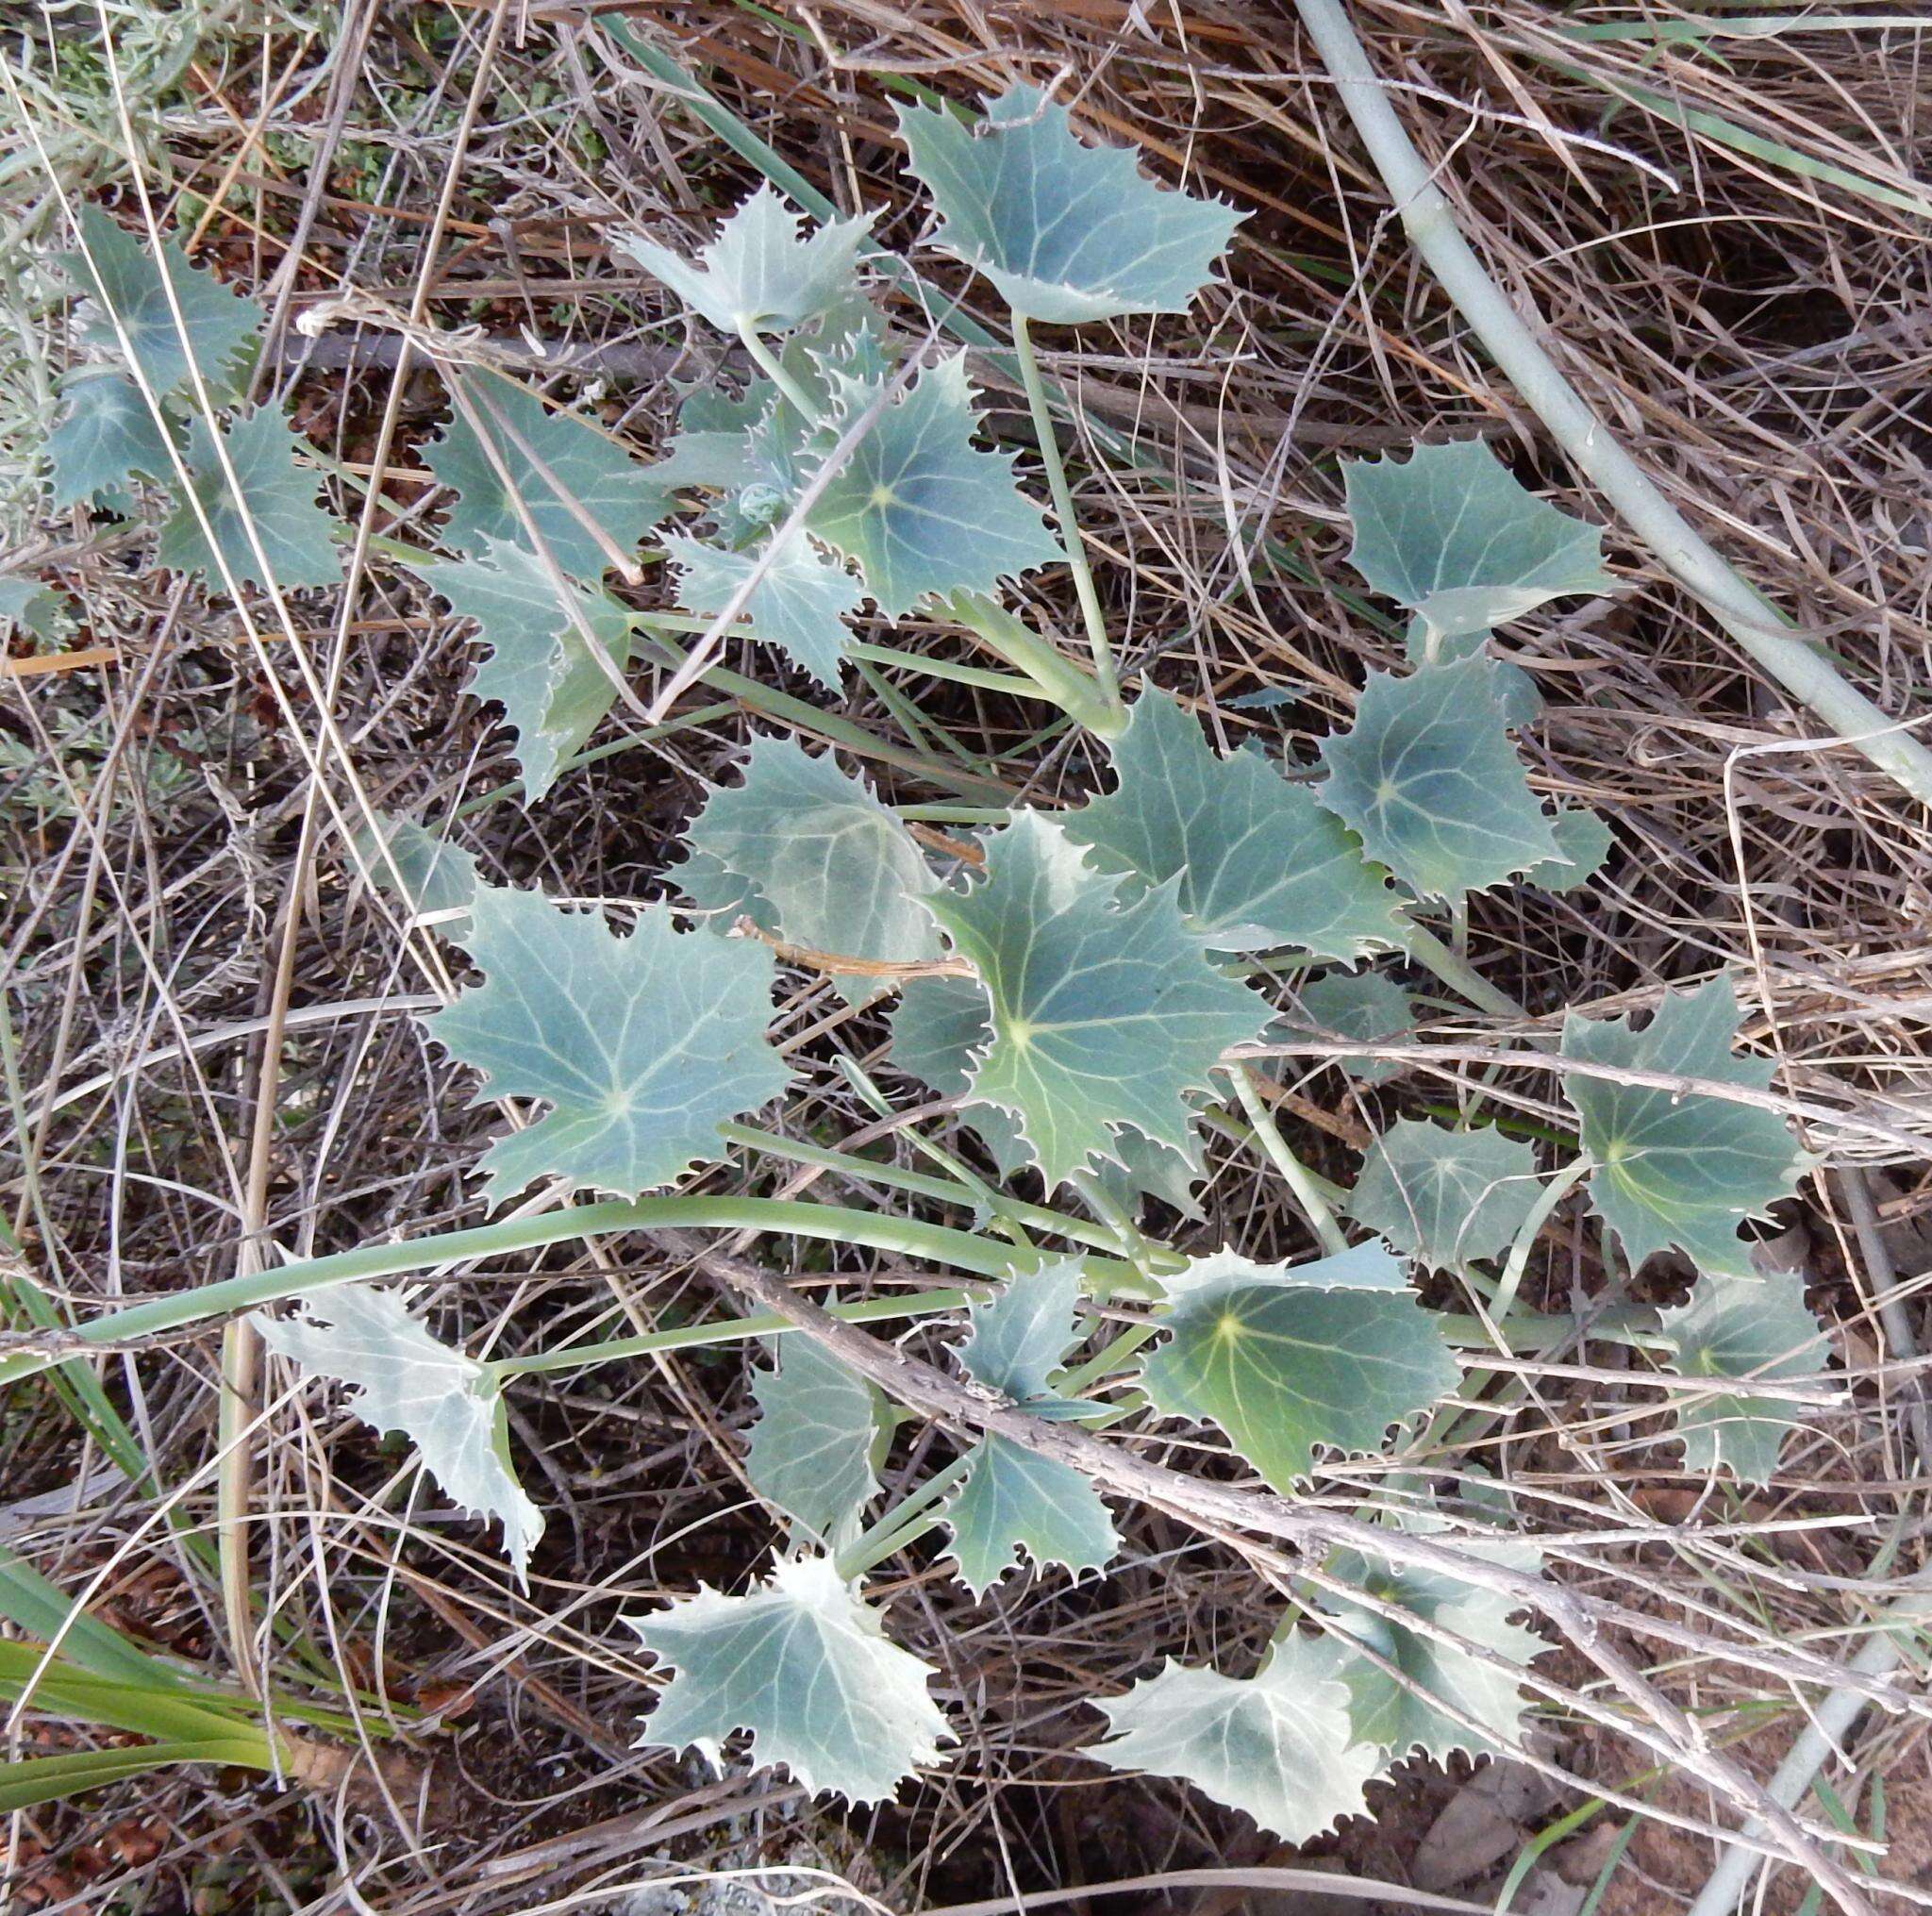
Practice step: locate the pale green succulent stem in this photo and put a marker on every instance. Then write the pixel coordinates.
(1090, 613)
(1819, 1741)
(829, 1224)
(1551, 1194)
(1069, 688)
(907, 1521)
(1511, 342)
(726, 1330)
(1300, 1179)
(944, 1190)
(769, 363)
(1462, 977)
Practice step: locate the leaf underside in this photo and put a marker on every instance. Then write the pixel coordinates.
(644, 1046)
(447, 1405)
(1102, 1015)
(1275, 1745)
(805, 1666)
(1067, 232)
(1675, 1168)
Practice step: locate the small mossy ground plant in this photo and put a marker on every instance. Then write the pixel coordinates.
(1087, 997)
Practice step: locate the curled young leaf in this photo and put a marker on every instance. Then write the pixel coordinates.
(1289, 1359)
(447, 1405)
(1067, 232)
(760, 271)
(1276, 1744)
(804, 1665)
(1102, 1015)
(1673, 1167)
(644, 1046)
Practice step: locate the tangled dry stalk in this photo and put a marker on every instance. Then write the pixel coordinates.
(209, 1051)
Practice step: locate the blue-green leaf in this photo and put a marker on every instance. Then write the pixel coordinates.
(1015, 1343)
(708, 449)
(576, 473)
(1445, 1197)
(1368, 1005)
(939, 1028)
(28, 607)
(1743, 1327)
(1290, 1359)
(760, 271)
(216, 328)
(800, 602)
(1015, 1500)
(811, 1449)
(1012, 1498)
(1452, 535)
(805, 1666)
(537, 667)
(1259, 864)
(104, 437)
(270, 494)
(449, 1406)
(1276, 1744)
(1482, 1705)
(1583, 838)
(1104, 1015)
(644, 1045)
(1674, 1168)
(920, 508)
(430, 873)
(839, 874)
(1067, 232)
(1430, 780)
